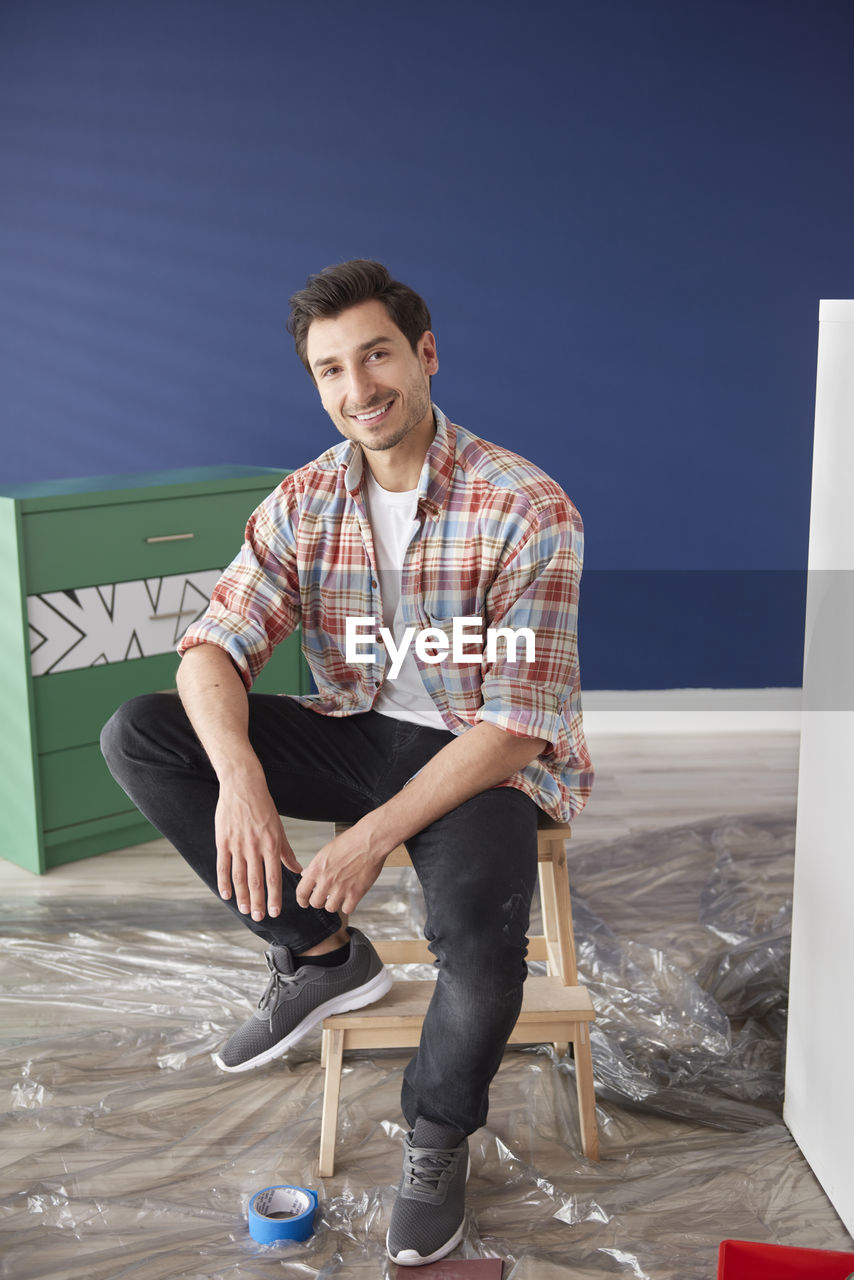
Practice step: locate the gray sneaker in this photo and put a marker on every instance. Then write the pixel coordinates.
(295, 1000)
(429, 1215)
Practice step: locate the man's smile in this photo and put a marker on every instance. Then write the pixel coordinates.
(375, 414)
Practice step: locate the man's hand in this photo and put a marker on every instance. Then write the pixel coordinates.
(250, 843)
(342, 872)
(250, 848)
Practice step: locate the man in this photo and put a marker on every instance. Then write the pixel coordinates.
(410, 525)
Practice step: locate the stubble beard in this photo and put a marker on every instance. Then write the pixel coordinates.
(419, 408)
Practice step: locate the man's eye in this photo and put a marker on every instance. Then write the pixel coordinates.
(328, 370)
(377, 353)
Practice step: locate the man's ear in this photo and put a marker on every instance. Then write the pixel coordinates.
(427, 352)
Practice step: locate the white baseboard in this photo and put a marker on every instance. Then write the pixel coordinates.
(692, 711)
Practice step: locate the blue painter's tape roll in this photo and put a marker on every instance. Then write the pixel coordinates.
(282, 1213)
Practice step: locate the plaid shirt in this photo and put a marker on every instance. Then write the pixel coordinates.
(494, 537)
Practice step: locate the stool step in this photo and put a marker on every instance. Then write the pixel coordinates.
(396, 1020)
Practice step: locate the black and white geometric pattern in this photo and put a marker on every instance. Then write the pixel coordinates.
(91, 626)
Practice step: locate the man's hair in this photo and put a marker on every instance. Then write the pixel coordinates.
(345, 285)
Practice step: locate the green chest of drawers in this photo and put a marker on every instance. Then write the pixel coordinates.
(99, 578)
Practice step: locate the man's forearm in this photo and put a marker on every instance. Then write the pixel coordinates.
(478, 759)
(214, 698)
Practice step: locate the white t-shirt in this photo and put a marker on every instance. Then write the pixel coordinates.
(392, 517)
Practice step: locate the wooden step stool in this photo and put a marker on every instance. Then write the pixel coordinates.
(554, 1010)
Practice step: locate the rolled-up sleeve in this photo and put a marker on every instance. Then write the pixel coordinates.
(537, 588)
(256, 602)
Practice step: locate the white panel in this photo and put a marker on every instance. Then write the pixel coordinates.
(819, 1106)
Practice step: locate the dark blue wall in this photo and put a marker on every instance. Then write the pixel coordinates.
(623, 214)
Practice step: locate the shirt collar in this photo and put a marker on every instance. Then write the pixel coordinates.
(436, 472)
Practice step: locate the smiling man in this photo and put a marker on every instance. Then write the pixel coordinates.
(415, 523)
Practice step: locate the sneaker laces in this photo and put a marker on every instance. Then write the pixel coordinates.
(269, 1001)
(426, 1167)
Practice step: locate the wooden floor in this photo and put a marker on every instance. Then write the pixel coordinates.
(642, 783)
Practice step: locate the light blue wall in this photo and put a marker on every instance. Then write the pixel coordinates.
(622, 213)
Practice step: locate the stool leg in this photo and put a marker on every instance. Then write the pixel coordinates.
(549, 913)
(332, 1058)
(562, 909)
(586, 1092)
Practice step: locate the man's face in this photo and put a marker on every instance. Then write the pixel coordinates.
(374, 387)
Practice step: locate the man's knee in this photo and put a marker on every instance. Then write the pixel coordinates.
(136, 722)
(478, 938)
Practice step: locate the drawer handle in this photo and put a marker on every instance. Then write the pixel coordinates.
(171, 537)
(179, 613)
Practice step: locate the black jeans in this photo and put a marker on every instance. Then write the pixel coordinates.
(477, 865)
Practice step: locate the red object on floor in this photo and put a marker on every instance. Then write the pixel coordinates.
(741, 1260)
(470, 1269)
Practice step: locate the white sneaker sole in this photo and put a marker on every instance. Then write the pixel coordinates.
(356, 999)
(409, 1258)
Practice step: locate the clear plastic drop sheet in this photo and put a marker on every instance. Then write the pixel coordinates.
(127, 1154)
